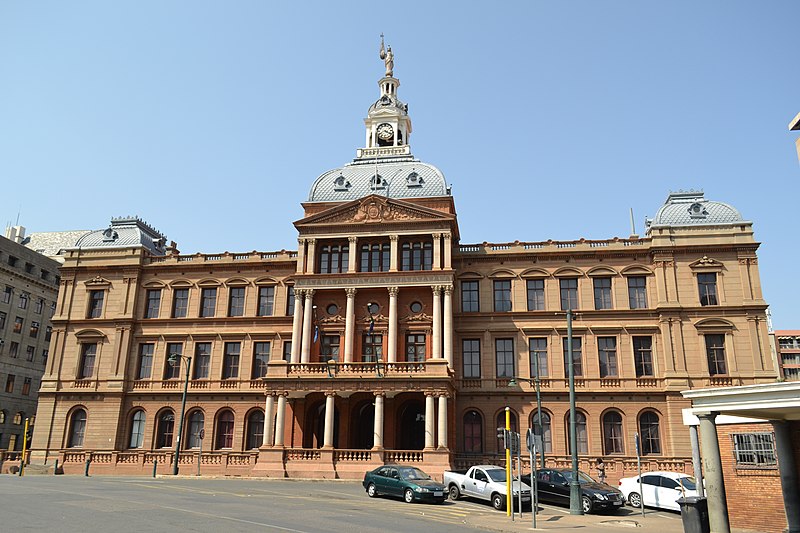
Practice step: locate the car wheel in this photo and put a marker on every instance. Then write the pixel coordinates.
(634, 499)
(372, 491)
(453, 492)
(586, 503)
(498, 501)
(408, 496)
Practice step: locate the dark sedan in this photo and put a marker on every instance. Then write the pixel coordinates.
(553, 487)
(407, 482)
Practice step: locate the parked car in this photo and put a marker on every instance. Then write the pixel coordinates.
(553, 487)
(407, 482)
(485, 482)
(659, 489)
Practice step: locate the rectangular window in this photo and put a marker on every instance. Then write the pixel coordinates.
(538, 356)
(95, 304)
(30, 353)
(260, 359)
(145, 361)
(45, 354)
(236, 301)
(602, 293)
(469, 297)
(29, 268)
(569, 293)
(202, 360)
(48, 333)
(330, 348)
(535, 294)
(754, 450)
(12, 261)
(334, 258)
(38, 306)
(504, 357)
(13, 349)
(3, 320)
(26, 387)
(415, 347)
(34, 331)
(153, 303)
(208, 302)
(88, 353)
(18, 321)
(290, 300)
(643, 356)
(417, 255)
(707, 284)
(173, 370)
(8, 294)
(287, 351)
(577, 356)
(230, 362)
(52, 309)
(471, 355)
(180, 303)
(23, 300)
(715, 352)
(266, 301)
(637, 292)
(10, 383)
(790, 363)
(375, 257)
(502, 295)
(372, 347)
(607, 354)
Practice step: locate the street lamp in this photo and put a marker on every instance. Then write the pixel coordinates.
(175, 359)
(575, 506)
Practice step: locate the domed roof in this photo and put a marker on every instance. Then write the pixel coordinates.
(690, 208)
(402, 177)
(125, 232)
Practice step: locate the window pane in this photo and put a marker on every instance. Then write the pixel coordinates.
(473, 433)
(569, 293)
(643, 356)
(607, 355)
(230, 365)
(612, 433)
(260, 359)
(537, 348)
(707, 284)
(715, 352)
(535, 294)
(648, 429)
(236, 301)
(137, 430)
(153, 303)
(202, 360)
(502, 295)
(145, 361)
(504, 355)
(469, 297)
(173, 371)
(266, 300)
(96, 304)
(471, 355)
(415, 347)
(180, 303)
(255, 430)
(208, 302)
(87, 360)
(577, 356)
(637, 292)
(602, 293)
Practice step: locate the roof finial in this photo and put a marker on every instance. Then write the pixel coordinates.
(388, 59)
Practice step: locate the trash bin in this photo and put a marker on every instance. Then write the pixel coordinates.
(694, 514)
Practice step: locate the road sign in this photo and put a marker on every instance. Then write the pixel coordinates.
(533, 442)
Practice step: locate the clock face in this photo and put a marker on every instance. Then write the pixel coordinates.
(385, 131)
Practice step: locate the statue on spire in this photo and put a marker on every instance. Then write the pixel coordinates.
(388, 59)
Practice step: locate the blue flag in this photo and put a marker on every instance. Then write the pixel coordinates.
(371, 324)
(316, 333)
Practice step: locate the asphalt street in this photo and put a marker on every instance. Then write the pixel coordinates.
(102, 504)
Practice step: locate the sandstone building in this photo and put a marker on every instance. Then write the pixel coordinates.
(384, 338)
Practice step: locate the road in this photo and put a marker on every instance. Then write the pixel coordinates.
(139, 504)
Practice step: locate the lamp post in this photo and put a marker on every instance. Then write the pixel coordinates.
(535, 382)
(173, 359)
(575, 506)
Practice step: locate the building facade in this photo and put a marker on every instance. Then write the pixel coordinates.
(29, 283)
(788, 352)
(384, 338)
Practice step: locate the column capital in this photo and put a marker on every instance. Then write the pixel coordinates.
(351, 292)
(330, 394)
(309, 293)
(436, 235)
(448, 289)
(443, 395)
(711, 416)
(394, 237)
(430, 394)
(380, 394)
(437, 289)
(352, 239)
(282, 394)
(301, 241)
(311, 240)
(447, 236)
(394, 291)
(299, 293)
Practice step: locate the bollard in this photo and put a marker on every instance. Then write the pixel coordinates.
(86, 472)
(55, 470)
(155, 465)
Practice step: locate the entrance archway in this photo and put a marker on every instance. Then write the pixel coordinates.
(411, 426)
(362, 426)
(314, 434)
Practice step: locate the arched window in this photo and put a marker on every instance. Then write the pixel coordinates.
(166, 427)
(196, 423)
(501, 423)
(255, 429)
(648, 429)
(473, 432)
(137, 429)
(580, 432)
(18, 418)
(224, 430)
(77, 429)
(545, 432)
(612, 433)
(2, 417)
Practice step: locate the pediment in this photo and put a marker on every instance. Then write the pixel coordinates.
(373, 209)
(706, 263)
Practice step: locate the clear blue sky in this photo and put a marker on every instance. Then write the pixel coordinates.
(551, 119)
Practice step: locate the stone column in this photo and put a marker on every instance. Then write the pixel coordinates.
(448, 251)
(437, 322)
(391, 348)
(310, 265)
(443, 421)
(297, 325)
(787, 467)
(269, 421)
(329, 409)
(448, 324)
(352, 254)
(280, 419)
(696, 461)
(437, 251)
(378, 432)
(429, 420)
(307, 320)
(393, 253)
(349, 325)
(301, 255)
(712, 467)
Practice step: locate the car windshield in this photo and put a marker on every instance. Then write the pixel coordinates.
(583, 477)
(497, 474)
(689, 483)
(413, 473)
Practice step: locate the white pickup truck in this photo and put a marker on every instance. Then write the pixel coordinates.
(486, 482)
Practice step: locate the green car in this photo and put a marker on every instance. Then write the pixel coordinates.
(408, 482)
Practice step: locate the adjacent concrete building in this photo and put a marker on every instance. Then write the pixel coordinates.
(788, 352)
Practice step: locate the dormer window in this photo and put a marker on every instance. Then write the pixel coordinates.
(341, 184)
(377, 182)
(110, 235)
(414, 180)
(696, 210)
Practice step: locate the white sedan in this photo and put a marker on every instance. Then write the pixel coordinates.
(659, 489)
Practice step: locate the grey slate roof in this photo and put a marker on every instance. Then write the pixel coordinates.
(53, 243)
(690, 208)
(400, 177)
(125, 232)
